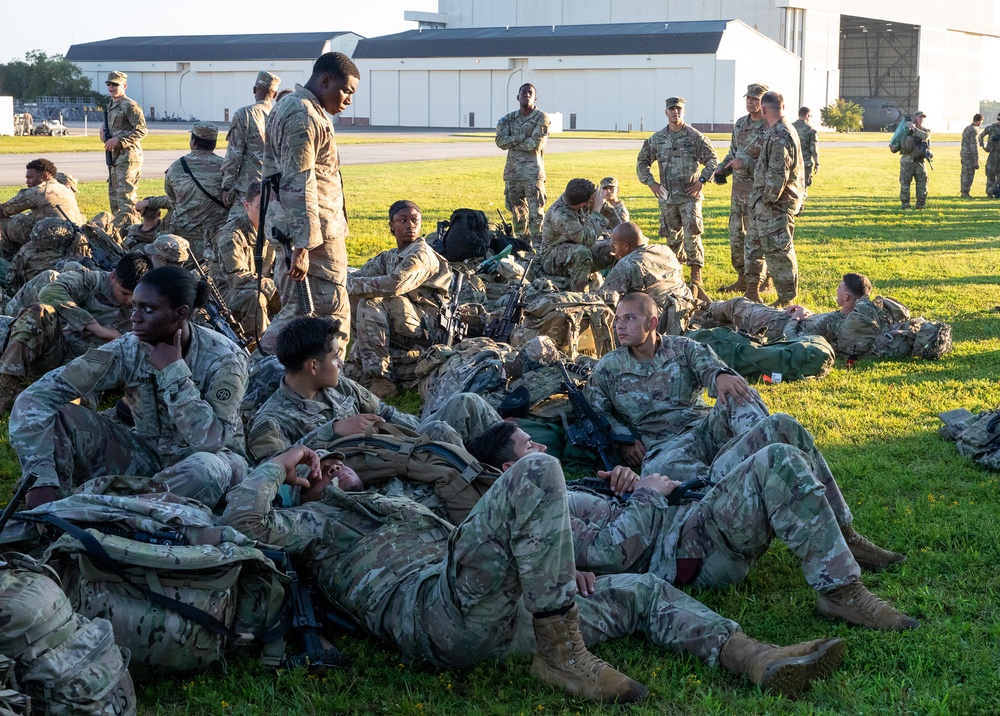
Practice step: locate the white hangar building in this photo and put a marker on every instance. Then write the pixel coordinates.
(604, 76)
(919, 54)
(204, 76)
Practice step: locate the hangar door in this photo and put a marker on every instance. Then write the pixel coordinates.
(879, 59)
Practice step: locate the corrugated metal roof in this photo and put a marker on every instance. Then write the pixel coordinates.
(195, 48)
(633, 38)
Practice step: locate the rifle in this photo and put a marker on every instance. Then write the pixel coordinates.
(450, 321)
(219, 314)
(508, 230)
(15, 501)
(685, 491)
(499, 329)
(109, 157)
(268, 185)
(104, 250)
(490, 265)
(592, 428)
(303, 290)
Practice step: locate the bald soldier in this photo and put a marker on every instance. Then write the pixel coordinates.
(127, 123)
(43, 197)
(244, 162)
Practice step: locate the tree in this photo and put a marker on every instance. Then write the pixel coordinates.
(43, 75)
(843, 115)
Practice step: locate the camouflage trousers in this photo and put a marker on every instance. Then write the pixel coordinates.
(681, 226)
(912, 171)
(575, 266)
(88, 445)
(124, 181)
(525, 201)
(383, 323)
(39, 342)
(749, 318)
(969, 167)
(739, 220)
(992, 172)
(15, 232)
(769, 249)
(249, 307)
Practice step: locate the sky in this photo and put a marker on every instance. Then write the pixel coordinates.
(68, 21)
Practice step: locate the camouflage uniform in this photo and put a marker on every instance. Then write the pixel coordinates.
(52, 241)
(312, 210)
(43, 200)
(970, 157)
(571, 246)
(652, 269)
(193, 215)
(244, 160)
(524, 173)
(770, 482)
(776, 199)
(396, 299)
(989, 140)
(458, 595)
(187, 430)
(911, 169)
(661, 404)
(614, 213)
(51, 332)
(136, 238)
(230, 257)
(748, 138)
(679, 154)
(126, 120)
(28, 293)
(810, 151)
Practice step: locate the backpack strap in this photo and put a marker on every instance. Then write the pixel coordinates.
(187, 170)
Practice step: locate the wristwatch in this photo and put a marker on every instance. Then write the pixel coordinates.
(702, 179)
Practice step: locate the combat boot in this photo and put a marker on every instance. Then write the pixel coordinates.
(740, 285)
(855, 604)
(696, 276)
(382, 387)
(785, 670)
(869, 556)
(753, 292)
(11, 386)
(562, 659)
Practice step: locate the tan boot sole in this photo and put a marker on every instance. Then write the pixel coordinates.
(795, 674)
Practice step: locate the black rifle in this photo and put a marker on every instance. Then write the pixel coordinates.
(591, 428)
(508, 230)
(219, 314)
(105, 251)
(27, 482)
(303, 289)
(450, 322)
(499, 329)
(685, 491)
(109, 157)
(268, 185)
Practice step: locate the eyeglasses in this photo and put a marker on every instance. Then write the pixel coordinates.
(113, 84)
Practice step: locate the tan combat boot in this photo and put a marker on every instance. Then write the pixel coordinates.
(753, 292)
(855, 604)
(785, 670)
(740, 285)
(11, 386)
(869, 556)
(562, 659)
(382, 387)
(696, 276)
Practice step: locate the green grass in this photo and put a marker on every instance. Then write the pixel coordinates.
(909, 489)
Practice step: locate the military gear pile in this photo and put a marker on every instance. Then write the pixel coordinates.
(564, 316)
(476, 365)
(915, 337)
(468, 236)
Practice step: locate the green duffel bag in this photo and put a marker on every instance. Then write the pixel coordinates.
(804, 357)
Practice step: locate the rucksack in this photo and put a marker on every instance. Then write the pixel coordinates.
(12, 701)
(915, 337)
(476, 365)
(467, 237)
(564, 316)
(66, 663)
(977, 436)
(804, 357)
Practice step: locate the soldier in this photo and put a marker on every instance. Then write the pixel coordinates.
(396, 298)
(183, 384)
(42, 198)
(970, 154)
(571, 249)
(502, 582)
(310, 209)
(138, 236)
(808, 144)
(775, 200)
(169, 250)
(679, 149)
(128, 126)
(244, 160)
(912, 153)
(613, 209)
(989, 139)
(772, 483)
(748, 136)
(193, 186)
(523, 133)
(76, 311)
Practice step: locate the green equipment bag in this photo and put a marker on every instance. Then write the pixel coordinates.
(805, 357)
(902, 131)
(67, 664)
(915, 337)
(12, 701)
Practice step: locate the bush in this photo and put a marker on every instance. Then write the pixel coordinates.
(842, 115)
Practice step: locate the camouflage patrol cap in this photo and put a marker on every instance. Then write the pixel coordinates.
(169, 247)
(324, 454)
(266, 79)
(608, 181)
(756, 90)
(918, 113)
(116, 76)
(205, 130)
(675, 102)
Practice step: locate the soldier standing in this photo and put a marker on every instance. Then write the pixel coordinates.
(990, 141)
(523, 133)
(128, 127)
(244, 160)
(775, 200)
(807, 140)
(679, 149)
(912, 153)
(744, 149)
(970, 154)
(310, 209)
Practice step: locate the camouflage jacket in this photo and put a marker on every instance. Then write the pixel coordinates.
(245, 153)
(564, 225)
(970, 143)
(807, 142)
(190, 406)
(778, 178)
(989, 138)
(44, 200)
(194, 215)
(679, 154)
(287, 417)
(82, 297)
(650, 268)
(614, 213)
(748, 138)
(415, 271)
(300, 146)
(524, 139)
(372, 555)
(909, 143)
(136, 238)
(128, 123)
(230, 254)
(659, 399)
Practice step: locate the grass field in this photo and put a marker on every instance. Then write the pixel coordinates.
(876, 424)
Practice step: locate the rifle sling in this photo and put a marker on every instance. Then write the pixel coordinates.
(187, 170)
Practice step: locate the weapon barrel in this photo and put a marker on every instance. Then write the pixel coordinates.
(27, 482)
